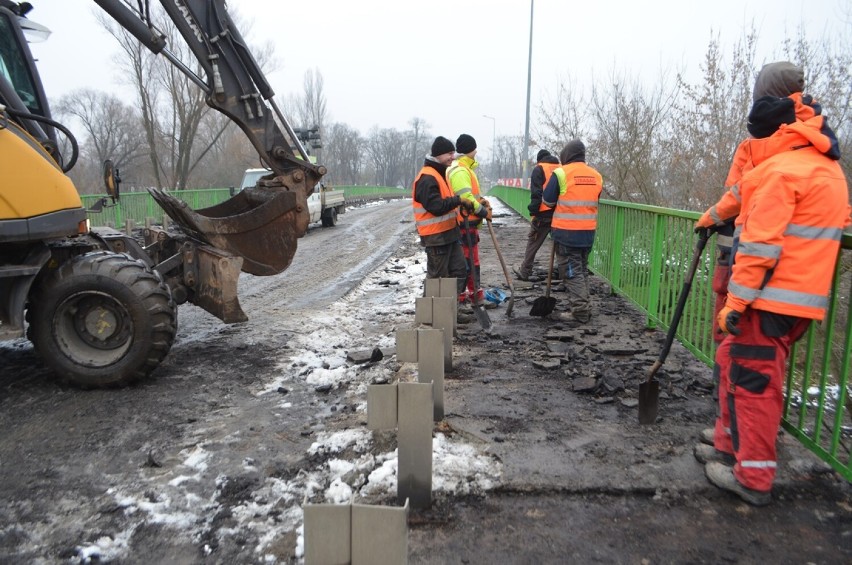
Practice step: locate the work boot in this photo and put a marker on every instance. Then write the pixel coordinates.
(568, 319)
(707, 453)
(707, 436)
(519, 274)
(723, 477)
(464, 317)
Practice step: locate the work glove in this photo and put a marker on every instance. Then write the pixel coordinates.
(485, 202)
(728, 320)
(704, 222)
(466, 206)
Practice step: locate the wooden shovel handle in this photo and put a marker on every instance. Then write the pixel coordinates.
(550, 269)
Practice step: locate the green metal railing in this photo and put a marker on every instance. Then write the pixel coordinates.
(644, 252)
(140, 206)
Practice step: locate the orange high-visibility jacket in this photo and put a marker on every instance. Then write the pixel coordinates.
(548, 169)
(580, 189)
(795, 205)
(426, 223)
(729, 204)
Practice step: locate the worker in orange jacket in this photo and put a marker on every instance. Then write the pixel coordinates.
(794, 207)
(780, 79)
(574, 191)
(435, 208)
(541, 214)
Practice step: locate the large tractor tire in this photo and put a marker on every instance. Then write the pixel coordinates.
(103, 320)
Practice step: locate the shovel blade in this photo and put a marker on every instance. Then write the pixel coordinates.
(482, 316)
(542, 306)
(649, 401)
(510, 306)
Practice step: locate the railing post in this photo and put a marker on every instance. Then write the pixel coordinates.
(656, 270)
(615, 250)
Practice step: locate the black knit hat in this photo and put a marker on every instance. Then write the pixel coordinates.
(541, 155)
(465, 144)
(442, 145)
(768, 113)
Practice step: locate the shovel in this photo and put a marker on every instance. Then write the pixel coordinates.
(478, 309)
(649, 391)
(505, 272)
(544, 305)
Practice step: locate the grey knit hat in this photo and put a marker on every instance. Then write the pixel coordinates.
(573, 151)
(778, 79)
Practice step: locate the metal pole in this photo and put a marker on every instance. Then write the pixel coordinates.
(525, 150)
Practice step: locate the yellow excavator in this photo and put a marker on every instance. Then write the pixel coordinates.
(100, 306)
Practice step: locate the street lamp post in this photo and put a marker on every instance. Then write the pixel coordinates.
(526, 149)
(493, 143)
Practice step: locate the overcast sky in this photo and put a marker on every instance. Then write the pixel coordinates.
(385, 62)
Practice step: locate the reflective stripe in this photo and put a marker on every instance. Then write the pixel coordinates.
(809, 232)
(575, 216)
(737, 231)
(743, 292)
(785, 296)
(714, 215)
(735, 190)
(759, 464)
(794, 297)
(437, 220)
(759, 250)
(724, 240)
(463, 191)
(586, 203)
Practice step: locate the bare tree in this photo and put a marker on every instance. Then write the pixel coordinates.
(708, 123)
(181, 131)
(311, 108)
(418, 143)
(343, 154)
(112, 131)
(628, 124)
(386, 152)
(561, 117)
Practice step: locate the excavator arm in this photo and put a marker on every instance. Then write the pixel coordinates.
(260, 224)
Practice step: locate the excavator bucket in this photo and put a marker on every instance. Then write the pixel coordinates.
(260, 224)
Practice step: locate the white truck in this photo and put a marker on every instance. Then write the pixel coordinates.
(324, 204)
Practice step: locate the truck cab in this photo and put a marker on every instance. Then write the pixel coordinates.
(324, 204)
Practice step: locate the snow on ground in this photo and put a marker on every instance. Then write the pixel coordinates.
(365, 318)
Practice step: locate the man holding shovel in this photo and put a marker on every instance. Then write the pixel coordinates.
(795, 205)
(573, 191)
(541, 214)
(465, 184)
(435, 209)
(781, 79)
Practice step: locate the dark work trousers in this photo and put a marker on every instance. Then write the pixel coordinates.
(539, 230)
(751, 392)
(447, 261)
(573, 268)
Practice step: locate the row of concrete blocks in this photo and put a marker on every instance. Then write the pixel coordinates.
(362, 534)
